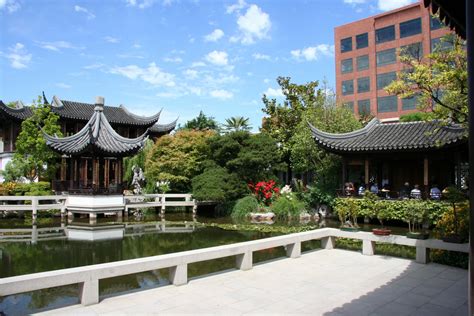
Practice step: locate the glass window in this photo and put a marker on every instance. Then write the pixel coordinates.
(346, 44)
(387, 104)
(435, 23)
(442, 43)
(410, 28)
(385, 34)
(347, 87)
(363, 107)
(349, 105)
(385, 79)
(410, 103)
(363, 84)
(362, 40)
(346, 65)
(363, 62)
(386, 57)
(414, 51)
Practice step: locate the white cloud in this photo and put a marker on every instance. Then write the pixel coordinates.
(218, 58)
(385, 5)
(259, 56)
(147, 3)
(137, 46)
(190, 73)
(111, 39)
(216, 35)
(198, 64)
(175, 60)
(63, 85)
(88, 13)
(10, 5)
(236, 7)
(253, 25)
(127, 55)
(57, 46)
(273, 93)
(221, 94)
(18, 56)
(314, 52)
(94, 66)
(151, 74)
(354, 1)
(266, 80)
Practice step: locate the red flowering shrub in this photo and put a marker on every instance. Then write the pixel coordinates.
(265, 192)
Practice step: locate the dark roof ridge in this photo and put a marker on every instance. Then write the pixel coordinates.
(141, 117)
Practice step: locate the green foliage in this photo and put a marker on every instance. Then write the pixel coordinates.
(288, 206)
(33, 159)
(416, 117)
(218, 185)
(244, 206)
(440, 80)
(202, 123)
(237, 123)
(347, 210)
(316, 196)
(20, 189)
(454, 223)
(454, 196)
(177, 158)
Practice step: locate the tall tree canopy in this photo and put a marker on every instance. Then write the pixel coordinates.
(439, 79)
(237, 123)
(177, 158)
(33, 159)
(202, 122)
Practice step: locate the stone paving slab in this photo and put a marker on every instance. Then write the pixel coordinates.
(323, 282)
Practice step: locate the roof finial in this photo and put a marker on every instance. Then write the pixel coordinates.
(45, 101)
(99, 103)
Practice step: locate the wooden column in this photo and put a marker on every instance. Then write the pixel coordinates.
(366, 176)
(119, 169)
(84, 170)
(344, 173)
(426, 175)
(63, 169)
(106, 172)
(75, 169)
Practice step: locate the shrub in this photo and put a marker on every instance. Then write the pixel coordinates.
(217, 184)
(245, 206)
(315, 196)
(265, 192)
(348, 209)
(33, 188)
(447, 223)
(287, 206)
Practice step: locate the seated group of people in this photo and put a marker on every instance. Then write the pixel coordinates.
(405, 193)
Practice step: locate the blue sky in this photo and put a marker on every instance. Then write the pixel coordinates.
(180, 55)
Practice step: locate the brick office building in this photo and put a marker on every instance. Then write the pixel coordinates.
(367, 57)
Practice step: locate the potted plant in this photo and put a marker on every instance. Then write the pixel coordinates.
(415, 215)
(347, 210)
(453, 196)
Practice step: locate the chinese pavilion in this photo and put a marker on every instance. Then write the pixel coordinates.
(97, 137)
(390, 154)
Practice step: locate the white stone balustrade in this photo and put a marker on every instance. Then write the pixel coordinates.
(88, 276)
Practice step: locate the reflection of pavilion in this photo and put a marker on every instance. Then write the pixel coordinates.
(424, 153)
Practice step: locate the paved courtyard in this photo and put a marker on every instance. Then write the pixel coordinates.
(324, 282)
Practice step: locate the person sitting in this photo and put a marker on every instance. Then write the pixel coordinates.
(374, 188)
(361, 190)
(435, 193)
(405, 191)
(349, 188)
(415, 193)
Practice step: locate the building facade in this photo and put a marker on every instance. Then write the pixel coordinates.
(367, 58)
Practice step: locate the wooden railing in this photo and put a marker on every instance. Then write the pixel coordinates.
(88, 276)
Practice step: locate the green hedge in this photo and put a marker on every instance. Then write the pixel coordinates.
(393, 209)
(20, 189)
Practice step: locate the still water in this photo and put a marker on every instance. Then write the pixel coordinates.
(24, 257)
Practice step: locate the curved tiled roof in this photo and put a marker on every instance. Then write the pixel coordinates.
(96, 136)
(118, 115)
(163, 128)
(20, 112)
(378, 137)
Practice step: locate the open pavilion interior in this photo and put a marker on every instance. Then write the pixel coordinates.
(390, 154)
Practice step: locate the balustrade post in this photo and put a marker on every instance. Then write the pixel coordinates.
(328, 243)
(34, 206)
(179, 274)
(89, 292)
(368, 247)
(422, 254)
(244, 261)
(293, 250)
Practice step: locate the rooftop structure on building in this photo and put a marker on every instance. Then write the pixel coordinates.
(367, 57)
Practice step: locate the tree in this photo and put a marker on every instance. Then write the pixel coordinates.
(439, 80)
(282, 119)
(33, 159)
(178, 158)
(202, 122)
(237, 123)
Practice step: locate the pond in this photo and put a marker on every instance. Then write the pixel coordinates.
(24, 257)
